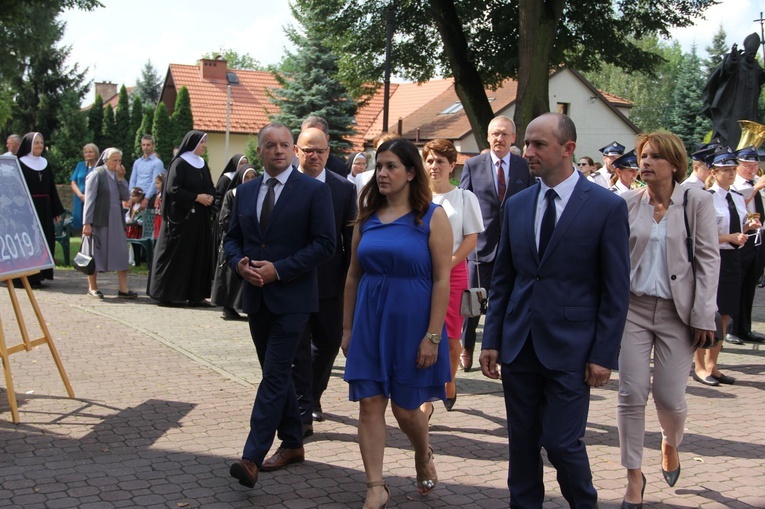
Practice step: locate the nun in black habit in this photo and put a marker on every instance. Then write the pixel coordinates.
(221, 187)
(227, 286)
(183, 259)
(42, 186)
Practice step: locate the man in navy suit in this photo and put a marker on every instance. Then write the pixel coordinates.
(281, 229)
(321, 339)
(556, 314)
(493, 177)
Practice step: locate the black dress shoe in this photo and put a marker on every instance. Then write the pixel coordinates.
(317, 415)
(449, 403)
(635, 505)
(230, 314)
(307, 430)
(724, 379)
(707, 380)
(752, 337)
(733, 339)
(673, 476)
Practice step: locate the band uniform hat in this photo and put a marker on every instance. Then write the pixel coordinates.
(722, 157)
(628, 160)
(703, 153)
(612, 149)
(713, 144)
(748, 154)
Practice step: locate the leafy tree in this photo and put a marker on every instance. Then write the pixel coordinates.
(235, 60)
(149, 86)
(69, 138)
(110, 129)
(123, 138)
(251, 151)
(145, 128)
(309, 84)
(182, 119)
(483, 43)
(685, 119)
(136, 117)
(163, 133)
(96, 122)
(651, 95)
(716, 51)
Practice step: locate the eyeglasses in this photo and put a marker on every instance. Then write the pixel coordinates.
(311, 151)
(582, 164)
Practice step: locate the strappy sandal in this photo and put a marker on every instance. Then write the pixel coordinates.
(375, 484)
(424, 485)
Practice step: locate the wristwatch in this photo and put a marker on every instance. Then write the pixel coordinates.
(434, 338)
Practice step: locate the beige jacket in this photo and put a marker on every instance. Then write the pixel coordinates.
(695, 300)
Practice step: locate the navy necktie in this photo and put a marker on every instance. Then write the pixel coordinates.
(548, 222)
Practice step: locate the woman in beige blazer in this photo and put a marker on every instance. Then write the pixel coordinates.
(671, 310)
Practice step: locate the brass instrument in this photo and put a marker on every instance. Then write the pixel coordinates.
(752, 134)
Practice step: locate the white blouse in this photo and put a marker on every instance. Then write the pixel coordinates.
(464, 213)
(652, 273)
(719, 198)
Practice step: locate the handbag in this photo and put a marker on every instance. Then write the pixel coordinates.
(474, 300)
(84, 261)
(719, 332)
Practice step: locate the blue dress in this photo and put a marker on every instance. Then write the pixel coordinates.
(392, 315)
(78, 177)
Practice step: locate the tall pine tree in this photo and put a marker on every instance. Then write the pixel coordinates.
(685, 118)
(123, 138)
(145, 128)
(136, 116)
(109, 130)
(70, 137)
(96, 122)
(149, 85)
(182, 119)
(163, 133)
(716, 51)
(309, 82)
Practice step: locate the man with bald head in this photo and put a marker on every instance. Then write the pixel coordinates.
(493, 177)
(12, 144)
(281, 229)
(321, 339)
(557, 308)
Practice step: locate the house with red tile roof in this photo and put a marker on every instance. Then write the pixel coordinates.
(236, 101)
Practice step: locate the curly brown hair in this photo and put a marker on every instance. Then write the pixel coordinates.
(420, 195)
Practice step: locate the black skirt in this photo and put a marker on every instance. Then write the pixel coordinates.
(729, 284)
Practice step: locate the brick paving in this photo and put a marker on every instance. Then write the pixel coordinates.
(163, 398)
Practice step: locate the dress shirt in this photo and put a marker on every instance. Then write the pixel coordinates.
(746, 189)
(282, 178)
(321, 177)
(564, 191)
(144, 174)
(693, 181)
(505, 170)
(652, 273)
(601, 177)
(722, 212)
(619, 188)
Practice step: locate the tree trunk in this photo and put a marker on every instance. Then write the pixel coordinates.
(538, 21)
(467, 81)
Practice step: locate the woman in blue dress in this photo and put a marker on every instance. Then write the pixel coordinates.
(90, 154)
(396, 295)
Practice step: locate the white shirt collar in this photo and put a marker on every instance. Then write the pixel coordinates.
(321, 177)
(564, 189)
(282, 177)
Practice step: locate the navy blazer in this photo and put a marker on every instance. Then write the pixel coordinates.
(300, 235)
(332, 272)
(478, 177)
(573, 302)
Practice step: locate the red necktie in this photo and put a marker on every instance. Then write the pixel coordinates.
(501, 186)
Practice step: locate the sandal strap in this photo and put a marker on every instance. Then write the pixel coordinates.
(375, 484)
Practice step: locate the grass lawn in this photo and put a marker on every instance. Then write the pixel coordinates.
(74, 248)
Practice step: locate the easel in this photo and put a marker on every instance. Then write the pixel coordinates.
(26, 344)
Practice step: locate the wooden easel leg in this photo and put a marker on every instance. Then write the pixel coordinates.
(8, 377)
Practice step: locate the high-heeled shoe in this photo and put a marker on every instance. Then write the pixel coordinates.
(671, 476)
(449, 403)
(424, 484)
(375, 484)
(636, 505)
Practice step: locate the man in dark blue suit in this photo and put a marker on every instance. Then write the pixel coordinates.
(557, 309)
(281, 229)
(493, 177)
(321, 339)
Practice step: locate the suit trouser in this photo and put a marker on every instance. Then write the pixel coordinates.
(276, 339)
(751, 271)
(316, 355)
(546, 408)
(469, 324)
(652, 324)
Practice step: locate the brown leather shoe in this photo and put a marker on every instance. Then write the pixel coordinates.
(246, 471)
(283, 457)
(466, 359)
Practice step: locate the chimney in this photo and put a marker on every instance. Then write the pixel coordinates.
(213, 70)
(106, 90)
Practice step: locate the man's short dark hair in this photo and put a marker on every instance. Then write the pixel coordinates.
(566, 129)
(317, 122)
(148, 137)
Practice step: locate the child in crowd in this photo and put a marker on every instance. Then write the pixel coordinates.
(158, 204)
(134, 220)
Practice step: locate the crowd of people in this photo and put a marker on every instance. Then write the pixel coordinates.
(324, 256)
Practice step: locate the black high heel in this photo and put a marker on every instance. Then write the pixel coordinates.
(672, 476)
(634, 505)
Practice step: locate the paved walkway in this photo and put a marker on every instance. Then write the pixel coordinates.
(164, 398)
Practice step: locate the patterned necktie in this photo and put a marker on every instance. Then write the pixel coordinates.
(268, 204)
(548, 222)
(501, 185)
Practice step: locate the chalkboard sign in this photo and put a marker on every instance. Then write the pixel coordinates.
(23, 247)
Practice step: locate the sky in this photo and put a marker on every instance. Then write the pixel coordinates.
(115, 41)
